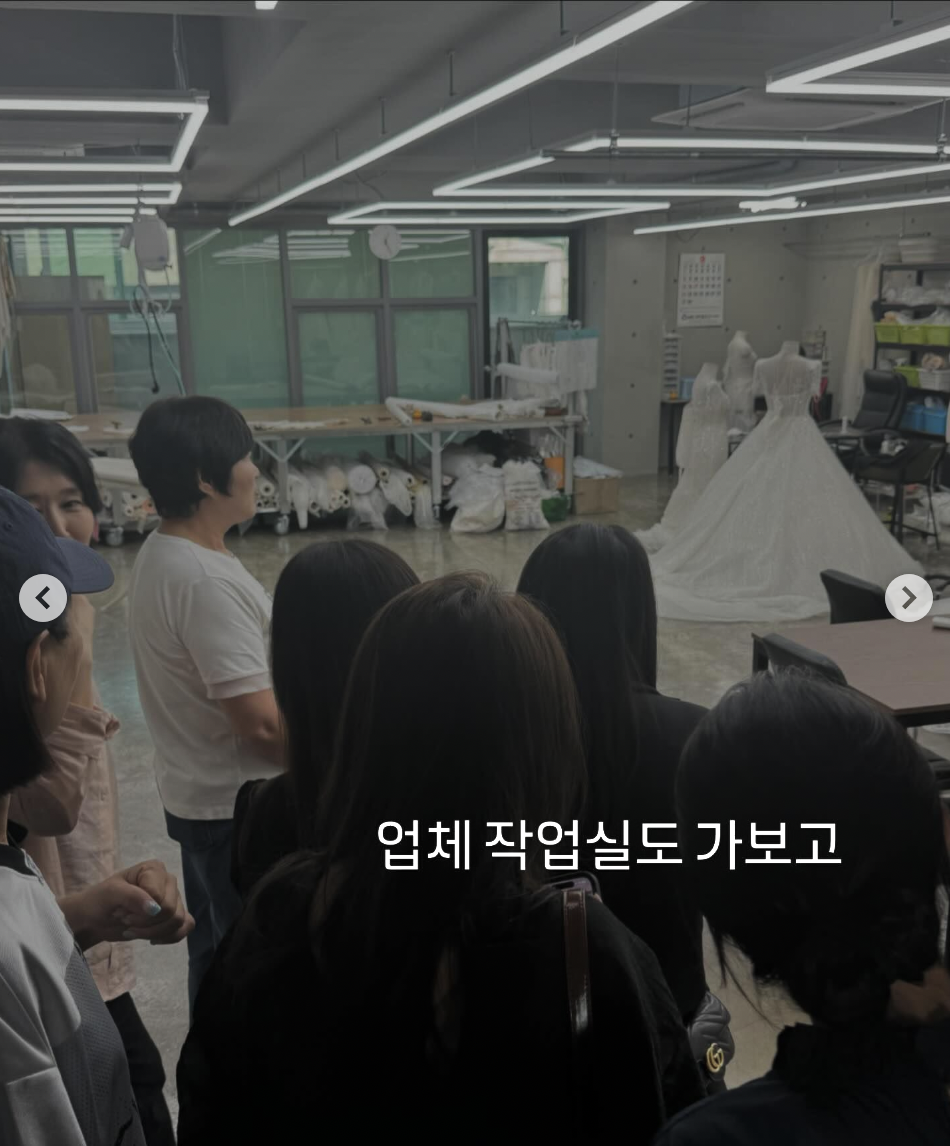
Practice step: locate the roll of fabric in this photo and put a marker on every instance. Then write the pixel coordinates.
(360, 478)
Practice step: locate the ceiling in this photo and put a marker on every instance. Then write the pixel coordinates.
(293, 90)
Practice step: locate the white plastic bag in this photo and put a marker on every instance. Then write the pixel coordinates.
(479, 499)
(422, 512)
(523, 494)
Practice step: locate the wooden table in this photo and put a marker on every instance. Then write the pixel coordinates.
(282, 441)
(902, 666)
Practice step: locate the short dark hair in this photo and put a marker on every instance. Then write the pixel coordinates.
(181, 441)
(792, 749)
(325, 598)
(25, 755)
(25, 440)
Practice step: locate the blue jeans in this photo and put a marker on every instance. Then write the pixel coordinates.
(209, 894)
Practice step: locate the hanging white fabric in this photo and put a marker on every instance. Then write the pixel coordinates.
(859, 355)
(738, 376)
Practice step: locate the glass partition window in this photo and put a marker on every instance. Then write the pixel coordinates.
(433, 354)
(332, 265)
(39, 259)
(42, 363)
(433, 264)
(338, 357)
(236, 310)
(121, 354)
(108, 271)
(528, 278)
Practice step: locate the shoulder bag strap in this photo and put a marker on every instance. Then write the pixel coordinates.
(577, 962)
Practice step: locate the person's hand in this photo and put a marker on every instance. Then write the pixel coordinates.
(921, 1004)
(82, 617)
(142, 902)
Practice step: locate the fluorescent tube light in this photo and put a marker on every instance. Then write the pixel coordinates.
(265, 5)
(71, 209)
(810, 213)
(71, 201)
(602, 211)
(787, 203)
(13, 217)
(462, 185)
(868, 51)
(718, 143)
(194, 110)
(172, 190)
(479, 205)
(518, 81)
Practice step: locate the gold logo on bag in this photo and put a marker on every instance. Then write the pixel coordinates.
(715, 1059)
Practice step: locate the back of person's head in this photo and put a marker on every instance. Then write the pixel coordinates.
(325, 598)
(181, 441)
(594, 582)
(460, 707)
(791, 750)
(26, 440)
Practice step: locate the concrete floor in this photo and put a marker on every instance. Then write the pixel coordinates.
(697, 662)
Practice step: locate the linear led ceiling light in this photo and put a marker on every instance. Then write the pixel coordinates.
(787, 203)
(478, 205)
(33, 221)
(548, 216)
(750, 143)
(518, 81)
(70, 209)
(682, 191)
(72, 201)
(908, 38)
(194, 109)
(777, 216)
(144, 192)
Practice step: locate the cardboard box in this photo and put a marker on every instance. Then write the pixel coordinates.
(596, 495)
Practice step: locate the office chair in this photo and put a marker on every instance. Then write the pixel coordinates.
(914, 465)
(852, 599)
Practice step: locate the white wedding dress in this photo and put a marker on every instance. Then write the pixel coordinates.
(701, 448)
(738, 379)
(779, 511)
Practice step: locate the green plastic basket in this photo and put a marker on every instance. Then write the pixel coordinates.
(911, 373)
(556, 508)
(887, 331)
(913, 335)
(937, 335)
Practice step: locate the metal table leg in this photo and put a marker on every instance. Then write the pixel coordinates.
(436, 473)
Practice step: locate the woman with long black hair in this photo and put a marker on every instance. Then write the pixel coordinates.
(356, 999)
(325, 598)
(594, 583)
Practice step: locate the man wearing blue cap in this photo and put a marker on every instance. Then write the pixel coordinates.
(64, 1078)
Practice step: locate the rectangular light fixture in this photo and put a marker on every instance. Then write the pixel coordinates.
(71, 201)
(171, 190)
(36, 221)
(765, 143)
(785, 203)
(194, 111)
(907, 38)
(265, 5)
(580, 50)
(478, 205)
(593, 211)
(462, 186)
(72, 209)
(778, 216)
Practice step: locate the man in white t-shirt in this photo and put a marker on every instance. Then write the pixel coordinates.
(198, 624)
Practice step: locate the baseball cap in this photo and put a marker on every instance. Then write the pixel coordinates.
(28, 547)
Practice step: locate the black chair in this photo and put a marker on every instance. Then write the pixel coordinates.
(779, 652)
(882, 404)
(914, 465)
(852, 599)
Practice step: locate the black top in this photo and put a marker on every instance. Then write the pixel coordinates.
(265, 829)
(285, 1051)
(653, 900)
(886, 1087)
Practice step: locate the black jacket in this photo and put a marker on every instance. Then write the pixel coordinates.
(264, 831)
(268, 1062)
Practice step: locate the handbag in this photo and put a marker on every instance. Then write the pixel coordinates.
(711, 1041)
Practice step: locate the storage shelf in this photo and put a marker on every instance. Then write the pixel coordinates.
(916, 267)
(945, 347)
(907, 305)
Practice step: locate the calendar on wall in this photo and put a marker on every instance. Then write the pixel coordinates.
(702, 281)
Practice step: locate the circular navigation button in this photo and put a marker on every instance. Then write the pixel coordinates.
(909, 597)
(43, 597)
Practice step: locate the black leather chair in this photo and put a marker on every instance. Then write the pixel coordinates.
(914, 465)
(879, 416)
(852, 599)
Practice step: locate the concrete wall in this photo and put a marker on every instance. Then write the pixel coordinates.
(624, 300)
(782, 280)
